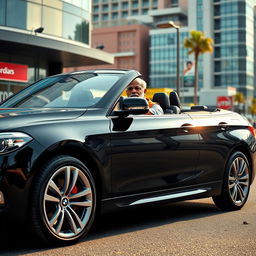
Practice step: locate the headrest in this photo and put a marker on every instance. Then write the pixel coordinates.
(174, 99)
(162, 99)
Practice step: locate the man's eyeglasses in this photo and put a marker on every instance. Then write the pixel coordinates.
(137, 88)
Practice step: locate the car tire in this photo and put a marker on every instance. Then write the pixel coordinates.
(63, 202)
(236, 183)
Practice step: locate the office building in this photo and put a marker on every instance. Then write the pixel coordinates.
(231, 25)
(128, 44)
(113, 12)
(117, 30)
(234, 45)
(40, 37)
(229, 69)
(163, 48)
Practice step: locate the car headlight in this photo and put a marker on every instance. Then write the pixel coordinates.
(10, 141)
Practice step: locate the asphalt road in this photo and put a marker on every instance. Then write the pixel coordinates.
(187, 228)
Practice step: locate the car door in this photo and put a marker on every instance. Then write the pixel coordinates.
(215, 144)
(151, 153)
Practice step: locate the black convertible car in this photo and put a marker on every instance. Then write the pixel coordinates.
(71, 145)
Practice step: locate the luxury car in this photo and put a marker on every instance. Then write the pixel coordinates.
(73, 144)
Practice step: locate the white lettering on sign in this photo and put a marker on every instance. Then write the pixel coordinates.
(224, 102)
(4, 95)
(7, 71)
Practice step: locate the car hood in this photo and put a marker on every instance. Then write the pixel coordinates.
(15, 117)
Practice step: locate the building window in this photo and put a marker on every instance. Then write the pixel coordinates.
(114, 7)
(114, 15)
(75, 28)
(155, 3)
(174, 3)
(34, 16)
(135, 4)
(135, 12)
(53, 16)
(217, 66)
(105, 8)
(2, 12)
(217, 80)
(17, 18)
(216, 10)
(125, 5)
(95, 18)
(96, 9)
(145, 3)
(199, 13)
(124, 14)
(145, 11)
(105, 17)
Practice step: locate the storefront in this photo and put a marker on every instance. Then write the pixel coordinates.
(40, 38)
(12, 78)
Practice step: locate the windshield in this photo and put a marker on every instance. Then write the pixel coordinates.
(64, 91)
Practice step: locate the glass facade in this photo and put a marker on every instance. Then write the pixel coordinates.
(68, 18)
(199, 15)
(163, 49)
(234, 45)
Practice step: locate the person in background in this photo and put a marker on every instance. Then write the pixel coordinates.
(138, 88)
(189, 66)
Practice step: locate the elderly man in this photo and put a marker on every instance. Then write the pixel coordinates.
(138, 88)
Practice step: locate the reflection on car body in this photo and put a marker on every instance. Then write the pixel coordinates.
(72, 144)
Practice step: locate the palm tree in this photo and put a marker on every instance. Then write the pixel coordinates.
(239, 100)
(198, 44)
(253, 108)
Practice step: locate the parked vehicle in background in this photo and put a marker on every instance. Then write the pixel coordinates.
(71, 144)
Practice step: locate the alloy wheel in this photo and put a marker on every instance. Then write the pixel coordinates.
(239, 181)
(68, 202)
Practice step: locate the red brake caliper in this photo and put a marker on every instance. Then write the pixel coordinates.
(74, 190)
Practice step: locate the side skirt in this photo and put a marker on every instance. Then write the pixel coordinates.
(166, 197)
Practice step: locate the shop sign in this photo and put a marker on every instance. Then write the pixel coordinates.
(13, 72)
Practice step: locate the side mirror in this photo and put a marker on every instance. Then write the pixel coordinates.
(132, 106)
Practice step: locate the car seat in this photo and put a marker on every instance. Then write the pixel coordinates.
(174, 102)
(163, 100)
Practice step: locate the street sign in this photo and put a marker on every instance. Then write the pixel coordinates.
(225, 102)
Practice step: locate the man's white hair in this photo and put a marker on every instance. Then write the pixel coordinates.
(142, 82)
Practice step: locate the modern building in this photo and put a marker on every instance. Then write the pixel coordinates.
(116, 30)
(128, 44)
(233, 33)
(163, 49)
(231, 25)
(40, 37)
(113, 12)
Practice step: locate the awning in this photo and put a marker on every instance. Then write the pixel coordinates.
(51, 49)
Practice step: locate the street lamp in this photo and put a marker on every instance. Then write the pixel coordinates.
(171, 24)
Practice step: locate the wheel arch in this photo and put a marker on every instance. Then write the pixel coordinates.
(227, 200)
(76, 150)
(246, 151)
